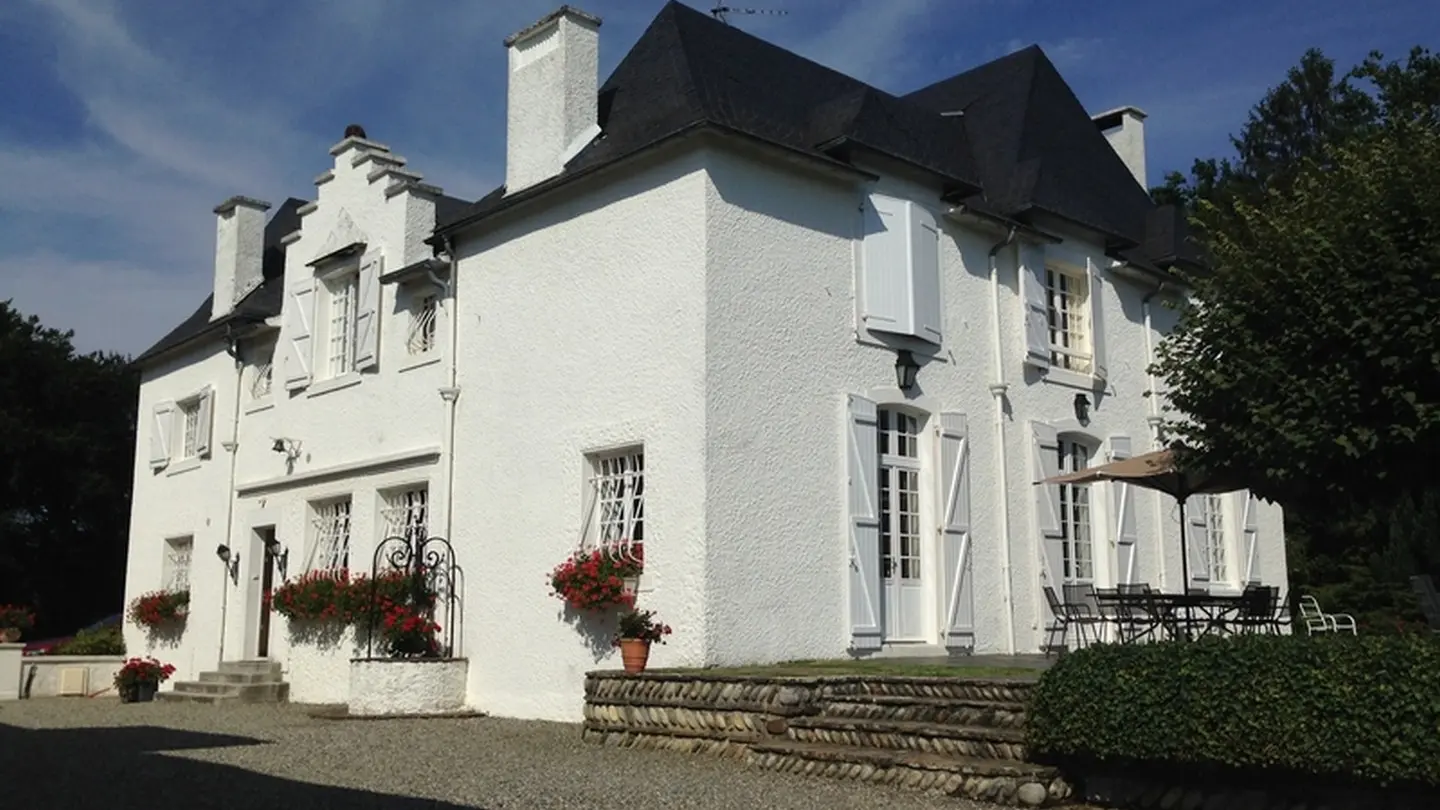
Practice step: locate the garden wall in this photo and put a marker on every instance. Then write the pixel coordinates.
(40, 674)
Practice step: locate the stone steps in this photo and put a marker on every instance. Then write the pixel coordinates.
(999, 781)
(935, 710)
(235, 682)
(904, 735)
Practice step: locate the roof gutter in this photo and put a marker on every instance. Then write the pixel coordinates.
(1007, 223)
(225, 327)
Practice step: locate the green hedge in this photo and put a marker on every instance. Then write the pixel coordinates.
(1344, 707)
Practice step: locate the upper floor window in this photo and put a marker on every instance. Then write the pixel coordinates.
(900, 273)
(181, 431)
(342, 293)
(332, 321)
(262, 375)
(421, 338)
(189, 428)
(330, 525)
(1068, 315)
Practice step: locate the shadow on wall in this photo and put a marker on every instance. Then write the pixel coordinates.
(118, 767)
(598, 630)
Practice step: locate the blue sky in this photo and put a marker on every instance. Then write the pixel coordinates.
(122, 124)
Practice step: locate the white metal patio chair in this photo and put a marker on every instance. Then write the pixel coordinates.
(1317, 620)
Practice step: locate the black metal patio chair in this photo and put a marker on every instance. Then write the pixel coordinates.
(1084, 609)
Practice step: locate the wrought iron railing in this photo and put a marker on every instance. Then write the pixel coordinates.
(430, 568)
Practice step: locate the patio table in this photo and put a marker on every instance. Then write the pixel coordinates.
(1154, 610)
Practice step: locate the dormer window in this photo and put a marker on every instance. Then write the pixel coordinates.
(332, 319)
(342, 293)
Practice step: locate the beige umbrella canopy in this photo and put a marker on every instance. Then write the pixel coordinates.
(1160, 470)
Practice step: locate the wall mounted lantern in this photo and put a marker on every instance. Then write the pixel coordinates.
(1082, 409)
(231, 561)
(905, 369)
(281, 556)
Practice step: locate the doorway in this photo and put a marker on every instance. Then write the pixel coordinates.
(266, 536)
(902, 560)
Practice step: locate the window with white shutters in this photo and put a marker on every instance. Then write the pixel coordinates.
(189, 428)
(1216, 554)
(343, 310)
(406, 513)
(900, 271)
(1068, 314)
(330, 525)
(898, 447)
(176, 569)
(1078, 553)
(615, 519)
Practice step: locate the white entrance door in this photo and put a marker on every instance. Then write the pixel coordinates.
(901, 560)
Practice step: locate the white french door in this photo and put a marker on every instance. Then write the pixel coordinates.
(902, 560)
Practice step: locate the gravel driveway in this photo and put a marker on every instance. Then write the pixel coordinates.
(61, 754)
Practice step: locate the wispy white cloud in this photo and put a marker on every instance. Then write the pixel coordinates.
(1067, 53)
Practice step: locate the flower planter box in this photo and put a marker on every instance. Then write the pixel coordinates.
(407, 686)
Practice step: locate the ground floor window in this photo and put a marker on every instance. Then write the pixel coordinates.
(330, 522)
(617, 498)
(1214, 539)
(406, 513)
(1078, 556)
(899, 453)
(176, 569)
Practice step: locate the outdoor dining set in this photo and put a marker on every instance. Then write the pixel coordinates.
(1136, 612)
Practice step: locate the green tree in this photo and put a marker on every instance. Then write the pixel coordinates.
(67, 446)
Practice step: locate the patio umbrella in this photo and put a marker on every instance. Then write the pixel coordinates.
(1160, 470)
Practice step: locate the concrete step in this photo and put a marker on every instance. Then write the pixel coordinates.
(268, 692)
(1000, 781)
(980, 742)
(237, 677)
(251, 667)
(935, 710)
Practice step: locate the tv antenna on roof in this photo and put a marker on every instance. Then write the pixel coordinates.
(720, 11)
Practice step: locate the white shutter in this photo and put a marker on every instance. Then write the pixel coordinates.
(955, 531)
(367, 320)
(203, 422)
(1251, 531)
(862, 467)
(299, 315)
(1125, 531)
(885, 271)
(1045, 462)
(1097, 322)
(1197, 517)
(1037, 314)
(161, 424)
(925, 274)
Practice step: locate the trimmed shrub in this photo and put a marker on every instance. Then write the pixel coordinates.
(1335, 707)
(100, 641)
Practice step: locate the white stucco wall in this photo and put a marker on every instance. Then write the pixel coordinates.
(582, 329)
(45, 682)
(400, 686)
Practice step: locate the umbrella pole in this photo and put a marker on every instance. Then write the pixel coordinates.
(1185, 565)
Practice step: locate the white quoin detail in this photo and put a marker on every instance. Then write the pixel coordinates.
(552, 106)
(1036, 313)
(239, 252)
(161, 423)
(862, 465)
(299, 315)
(1097, 320)
(367, 319)
(1126, 534)
(1250, 528)
(955, 535)
(204, 422)
(901, 269)
(1124, 128)
(1044, 463)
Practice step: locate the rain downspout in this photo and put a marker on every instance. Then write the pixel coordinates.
(451, 392)
(997, 391)
(1153, 419)
(232, 348)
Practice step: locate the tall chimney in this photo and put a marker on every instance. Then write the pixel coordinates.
(551, 105)
(239, 251)
(1124, 128)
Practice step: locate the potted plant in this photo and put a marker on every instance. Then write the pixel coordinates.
(600, 579)
(158, 609)
(638, 629)
(14, 621)
(139, 679)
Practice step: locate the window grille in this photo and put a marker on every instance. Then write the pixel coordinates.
(406, 514)
(618, 494)
(344, 313)
(1215, 551)
(177, 563)
(1066, 297)
(1078, 548)
(422, 326)
(332, 534)
(264, 374)
(190, 428)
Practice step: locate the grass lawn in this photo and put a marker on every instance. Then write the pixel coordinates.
(844, 667)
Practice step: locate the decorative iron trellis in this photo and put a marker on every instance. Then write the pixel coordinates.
(430, 567)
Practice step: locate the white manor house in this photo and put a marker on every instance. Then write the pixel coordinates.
(813, 343)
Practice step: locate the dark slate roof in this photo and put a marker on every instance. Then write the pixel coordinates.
(261, 303)
(1037, 147)
(688, 70)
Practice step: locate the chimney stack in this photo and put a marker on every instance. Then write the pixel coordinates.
(1124, 128)
(551, 105)
(239, 251)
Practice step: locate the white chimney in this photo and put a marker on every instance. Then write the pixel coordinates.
(551, 106)
(1124, 128)
(239, 251)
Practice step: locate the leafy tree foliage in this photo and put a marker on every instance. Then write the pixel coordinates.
(67, 446)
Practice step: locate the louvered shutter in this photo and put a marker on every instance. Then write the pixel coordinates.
(884, 269)
(204, 421)
(162, 422)
(1098, 287)
(299, 315)
(925, 274)
(862, 468)
(1036, 312)
(367, 319)
(1045, 462)
(1124, 513)
(955, 531)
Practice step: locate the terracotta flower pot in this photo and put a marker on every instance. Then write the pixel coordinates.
(9, 635)
(634, 653)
